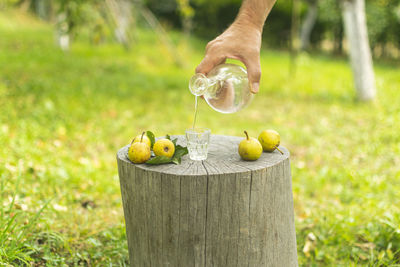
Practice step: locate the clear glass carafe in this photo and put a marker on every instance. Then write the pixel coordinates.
(225, 88)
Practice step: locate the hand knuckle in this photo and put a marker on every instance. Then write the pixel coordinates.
(209, 45)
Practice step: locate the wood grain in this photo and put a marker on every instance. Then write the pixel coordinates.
(219, 212)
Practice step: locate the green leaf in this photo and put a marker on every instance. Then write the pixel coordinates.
(180, 151)
(174, 142)
(176, 161)
(168, 137)
(159, 160)
(152, 138)
(390, 253)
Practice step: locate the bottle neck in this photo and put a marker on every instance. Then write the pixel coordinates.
(198, 84)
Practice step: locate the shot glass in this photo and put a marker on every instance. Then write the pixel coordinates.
(197, 143)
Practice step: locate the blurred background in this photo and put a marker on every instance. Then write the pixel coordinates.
(79, 79)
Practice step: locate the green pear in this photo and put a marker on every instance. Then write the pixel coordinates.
(250, 148)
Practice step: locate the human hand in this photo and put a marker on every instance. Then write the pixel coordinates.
(241, 41)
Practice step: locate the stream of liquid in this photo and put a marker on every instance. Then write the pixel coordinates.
(197, 140)
(195, 112)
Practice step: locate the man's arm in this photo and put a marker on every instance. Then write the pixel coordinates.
(242, 41)
(255, 12)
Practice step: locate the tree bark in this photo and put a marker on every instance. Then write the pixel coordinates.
(360, 53)
(294, 36)
(41, 9)
(219, 212)
(308, 25)
(62, 31)
(161, 33)
(121, 11)
(338, 40)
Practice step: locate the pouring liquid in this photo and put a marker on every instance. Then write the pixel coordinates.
(197, 139)
(195, 111)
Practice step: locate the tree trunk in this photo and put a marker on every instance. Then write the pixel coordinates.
(161, 33)
(308, 25)
(121, 11)
(186, 13)
(294, 34)
(360, 53)
(62, 31)
(218, 212)
(41, 9)
(338, 40)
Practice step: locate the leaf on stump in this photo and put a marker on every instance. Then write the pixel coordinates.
(152, 138)
(157, 160)
(180, 151)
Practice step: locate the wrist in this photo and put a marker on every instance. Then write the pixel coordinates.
(249, 20)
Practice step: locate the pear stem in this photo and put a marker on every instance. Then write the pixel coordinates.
(247, 136)
(141, 139)
(276, 147)
(133, 140)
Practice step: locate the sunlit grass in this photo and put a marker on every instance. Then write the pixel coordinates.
(64, 115)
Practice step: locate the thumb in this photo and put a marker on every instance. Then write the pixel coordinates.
(254, 74)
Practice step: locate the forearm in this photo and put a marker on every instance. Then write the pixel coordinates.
(254, 13)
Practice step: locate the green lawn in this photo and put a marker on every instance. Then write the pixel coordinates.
(63, 116)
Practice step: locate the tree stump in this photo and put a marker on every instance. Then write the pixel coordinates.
(219, 212)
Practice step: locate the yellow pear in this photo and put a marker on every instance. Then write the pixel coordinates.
(270, 140)
(164, 147)
(139, 152)
(145, 139)
(250, 148)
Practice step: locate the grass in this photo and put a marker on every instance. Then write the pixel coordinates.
(64, 115)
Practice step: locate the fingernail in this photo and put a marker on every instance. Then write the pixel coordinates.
(255, 87)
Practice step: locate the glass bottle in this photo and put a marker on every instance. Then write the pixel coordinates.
(225, 88)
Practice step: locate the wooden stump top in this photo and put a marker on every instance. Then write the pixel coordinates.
(223, 158)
